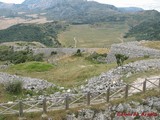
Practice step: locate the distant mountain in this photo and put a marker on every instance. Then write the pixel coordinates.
(77, 11)
(6, 5)
(130, 9)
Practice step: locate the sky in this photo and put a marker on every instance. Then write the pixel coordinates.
(145, 4)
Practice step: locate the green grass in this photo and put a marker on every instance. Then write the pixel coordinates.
(68, 72)
(33, 67)
(99, 35)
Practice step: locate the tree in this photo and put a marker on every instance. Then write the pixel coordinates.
(120, 58)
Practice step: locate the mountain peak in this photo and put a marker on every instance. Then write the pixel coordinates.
(43, 4)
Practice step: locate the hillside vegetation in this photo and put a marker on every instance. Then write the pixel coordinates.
(43, 33)
(145, 31)
(7, 54)
(147, 28)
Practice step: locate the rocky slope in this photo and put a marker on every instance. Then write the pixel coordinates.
(149, 109)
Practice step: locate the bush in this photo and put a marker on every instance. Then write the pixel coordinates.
(120, 59)
(3, 117)
(95, 57)
(53, 52)
(16, 57)
(146, 56)
(78, 53)
(14, 87)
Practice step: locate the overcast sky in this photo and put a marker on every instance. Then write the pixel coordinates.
(145, 4)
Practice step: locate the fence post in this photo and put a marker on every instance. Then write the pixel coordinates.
(44, 106)
(126, 91)
(144, 86)
(21, 114)
(44, 115)
(159, 83)
(88, 98)
(108, 94)
(67, 102)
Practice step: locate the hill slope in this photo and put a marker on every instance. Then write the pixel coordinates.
(44, 33)
(146, 29)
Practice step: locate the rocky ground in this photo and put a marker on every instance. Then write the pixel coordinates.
(113, 77)
(149, 109)
(28, 83)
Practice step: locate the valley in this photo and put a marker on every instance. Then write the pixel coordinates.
(78, 60)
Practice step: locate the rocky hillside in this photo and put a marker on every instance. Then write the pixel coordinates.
(79, 11)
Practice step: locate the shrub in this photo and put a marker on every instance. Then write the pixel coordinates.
(2, 117)
(78, 53)
(14, 87)
(16, 57)
(146, 56)
(53, 52)
(95, 57)
(120, 59)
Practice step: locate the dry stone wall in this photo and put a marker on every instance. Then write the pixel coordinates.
(113, 77)
(131, 49)
(28, 83)
(68, 51)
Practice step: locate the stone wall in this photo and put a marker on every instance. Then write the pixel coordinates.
(113, 77)
(131, 49)
(68, 51)
(28, 83)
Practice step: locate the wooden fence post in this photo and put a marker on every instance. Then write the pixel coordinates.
(159, 83)
(67, 102)
(126, 91)
(108, 94)
(44, 115)
(88, 98)
(21, 114)
(44, 106)
(144, 86)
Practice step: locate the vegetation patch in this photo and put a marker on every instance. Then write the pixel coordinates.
(14, 87)
(16, 57)
(68, 72)
(43, 33)
(147, 30)
(33, 67)
(97, 57)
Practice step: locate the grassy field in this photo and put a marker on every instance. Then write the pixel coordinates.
(98, 35)
(68, 72)
(152, 44)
